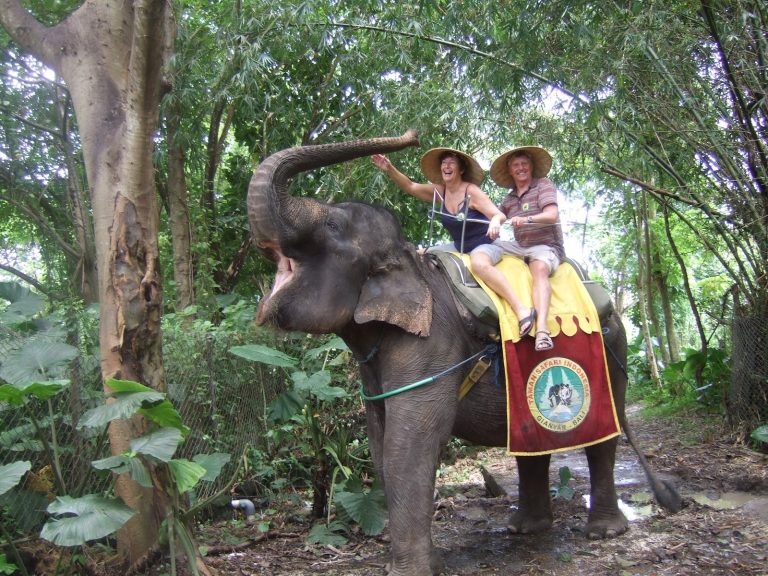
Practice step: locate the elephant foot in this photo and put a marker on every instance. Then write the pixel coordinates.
(606, 527)
(436, 567)
(523, 522)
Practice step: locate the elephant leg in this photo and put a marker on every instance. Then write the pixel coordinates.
(374, 416)
(412, 444)
(606, 520)
(535, 510)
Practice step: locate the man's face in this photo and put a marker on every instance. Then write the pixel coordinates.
(520, 168)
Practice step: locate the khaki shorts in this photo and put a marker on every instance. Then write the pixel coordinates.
(540, 252)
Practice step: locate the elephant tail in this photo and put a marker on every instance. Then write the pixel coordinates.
(663, 490)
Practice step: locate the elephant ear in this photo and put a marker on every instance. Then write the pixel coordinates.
(398, 295)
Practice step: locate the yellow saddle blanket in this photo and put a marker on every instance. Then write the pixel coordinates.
(570, 300)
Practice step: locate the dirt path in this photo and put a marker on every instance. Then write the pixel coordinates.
(711, 535)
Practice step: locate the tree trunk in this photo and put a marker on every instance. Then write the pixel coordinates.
(86, 274)
(648, 277)
(689, 294)
(178, 216)
(673, 343)
(642, 291)
(111, 55)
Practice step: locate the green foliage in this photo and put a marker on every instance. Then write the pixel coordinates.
(265, 355)
(10, 474)
(78, 520)
(307, 420)
(562, 490)
(327, 534)
(7, 567)
(367, 507)
(23, 303)
(713, 369)
(760, 435)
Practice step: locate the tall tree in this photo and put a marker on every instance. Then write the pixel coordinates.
(111, 54)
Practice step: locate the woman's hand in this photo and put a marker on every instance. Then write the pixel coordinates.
(494, 226)
(381, 161)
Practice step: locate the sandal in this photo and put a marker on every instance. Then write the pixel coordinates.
(543, 341)
(526, 324)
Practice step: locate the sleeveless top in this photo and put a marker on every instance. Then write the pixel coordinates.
(474, 232)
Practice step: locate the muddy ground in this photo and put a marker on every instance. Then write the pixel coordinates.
(722, 529)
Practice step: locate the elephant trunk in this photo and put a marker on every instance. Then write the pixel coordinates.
(275, 216)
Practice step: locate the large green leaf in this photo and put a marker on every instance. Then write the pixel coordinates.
(318, 384)
(36, 360)
(369, 509)
(265, 355)
(13, 291)
(334, 343)
(285, 406)
(760, 434)
(7, 567)
(124, 407)
(24, 304)
(160, 444)
(162, 413)
(326, 535)
(124, 386)
(11, 394)
(15, 394)
(83, 519)
(123, 463)
(213, 463)
(165, 415)
(187, 474)
(10, 474)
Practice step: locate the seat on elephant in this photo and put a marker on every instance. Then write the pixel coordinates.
(477, 301)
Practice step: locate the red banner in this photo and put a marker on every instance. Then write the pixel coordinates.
(558, 399)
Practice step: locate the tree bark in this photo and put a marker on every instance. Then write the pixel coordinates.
(643, 296)
(85, 268)
(111, 55)
(178, 215)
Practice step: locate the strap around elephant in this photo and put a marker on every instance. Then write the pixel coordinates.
(490, 349)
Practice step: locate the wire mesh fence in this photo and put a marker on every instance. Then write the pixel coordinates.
(748, 397)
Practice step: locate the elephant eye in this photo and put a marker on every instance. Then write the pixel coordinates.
(333, 225)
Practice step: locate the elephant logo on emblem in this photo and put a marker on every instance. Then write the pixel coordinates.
(559, 394)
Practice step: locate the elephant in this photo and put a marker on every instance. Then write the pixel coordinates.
(345, 268)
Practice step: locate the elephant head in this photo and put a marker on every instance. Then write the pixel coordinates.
(336, 263)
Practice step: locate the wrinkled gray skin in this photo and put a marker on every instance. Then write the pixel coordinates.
(345, 268)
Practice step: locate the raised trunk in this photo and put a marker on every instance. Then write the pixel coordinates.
(275, 216)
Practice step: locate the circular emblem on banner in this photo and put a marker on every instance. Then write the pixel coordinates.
(558, 394)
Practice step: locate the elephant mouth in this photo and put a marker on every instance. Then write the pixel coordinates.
(286, 268)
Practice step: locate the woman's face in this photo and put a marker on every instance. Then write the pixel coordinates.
(450, 167)
(521, 169)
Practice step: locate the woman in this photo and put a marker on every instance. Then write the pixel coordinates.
(471, 218)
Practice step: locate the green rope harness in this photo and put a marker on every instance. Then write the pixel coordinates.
(489, 349)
